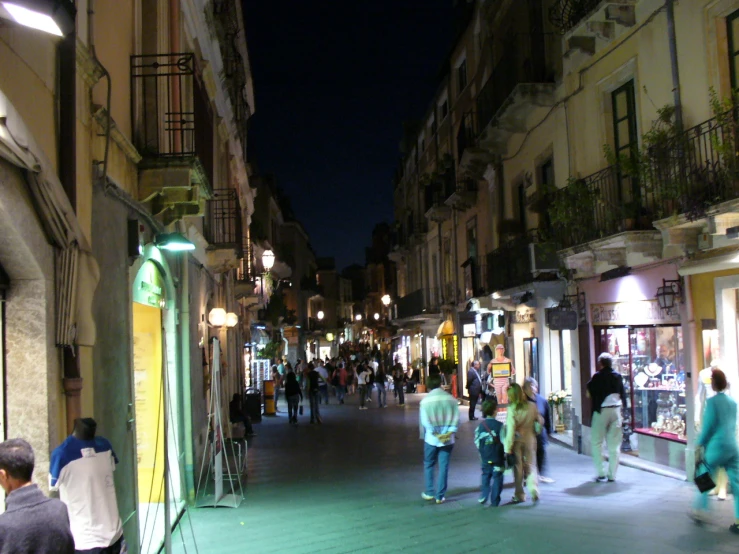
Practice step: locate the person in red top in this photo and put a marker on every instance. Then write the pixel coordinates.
(338, 380)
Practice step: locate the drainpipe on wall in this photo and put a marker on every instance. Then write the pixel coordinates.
(690, 353)
(672, 39)
(460, 379)
(67, 139)
(184, 336)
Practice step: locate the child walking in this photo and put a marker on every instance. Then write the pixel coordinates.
(492, 456)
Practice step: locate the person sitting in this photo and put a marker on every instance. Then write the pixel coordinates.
(237, 414)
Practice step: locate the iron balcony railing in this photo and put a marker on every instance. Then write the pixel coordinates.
(695, 169)
(411, 304)
(510, 264)
(467, 133)
(223, 225)
(566, 14)
(527, 59)
(245, 271)
(439, 190)
(162, 104)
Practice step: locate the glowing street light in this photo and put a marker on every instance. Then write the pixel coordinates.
(358, 317)
(377, 317)
(386, 300)
(56, 18)
(320, 315)
(268, 259)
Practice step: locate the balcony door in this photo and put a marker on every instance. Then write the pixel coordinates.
(732, 33)
(625, 139)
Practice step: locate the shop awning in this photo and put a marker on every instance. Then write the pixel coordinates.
(446, 329)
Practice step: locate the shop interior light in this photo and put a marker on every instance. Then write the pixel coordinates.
(173, 242)
(232, 319)
(217, 317)
(668, 293)
(56, 17)
(386, 300)
(268, 260)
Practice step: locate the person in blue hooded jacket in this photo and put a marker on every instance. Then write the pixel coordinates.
(717, 445)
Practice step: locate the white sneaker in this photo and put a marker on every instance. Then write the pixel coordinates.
(427, 496)
(546, 479)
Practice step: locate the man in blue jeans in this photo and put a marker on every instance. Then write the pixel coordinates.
(439, 421)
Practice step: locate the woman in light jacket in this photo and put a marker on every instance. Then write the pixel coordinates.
(718, 444)
(520, 440)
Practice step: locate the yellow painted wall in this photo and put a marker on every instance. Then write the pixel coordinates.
(703, 294)
(147, 356)
(28, 62)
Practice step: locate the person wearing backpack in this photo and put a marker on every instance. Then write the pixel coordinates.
(492, 454)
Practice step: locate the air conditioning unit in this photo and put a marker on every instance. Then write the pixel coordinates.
(543, 258)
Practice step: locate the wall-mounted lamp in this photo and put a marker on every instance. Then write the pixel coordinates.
(330, 337)
(386, 300)
(173, 242)
(377, 317)
(668, 293)
(358, 317)
(217, 317)
(55, 17)
(232, 319)
(320, 315)
(268, 259)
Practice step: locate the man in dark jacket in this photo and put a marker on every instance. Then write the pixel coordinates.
(32, 522)
(474, 387)
(531, 390)
(606, 390)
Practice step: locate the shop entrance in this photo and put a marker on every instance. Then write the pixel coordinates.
(155, 387)
(651, 363)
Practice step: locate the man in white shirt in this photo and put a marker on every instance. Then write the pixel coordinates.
(323, 381)
(362, 379)
(439, 421)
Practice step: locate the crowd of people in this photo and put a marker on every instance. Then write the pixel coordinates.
(315, 382)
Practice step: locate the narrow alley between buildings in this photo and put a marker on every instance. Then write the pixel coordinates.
(353, 484)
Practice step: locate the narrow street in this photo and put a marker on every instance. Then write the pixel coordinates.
(353, 484)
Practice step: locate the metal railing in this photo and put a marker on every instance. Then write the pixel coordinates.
(245, 271)
(437, 192)
(161, 104)
(223, 225)
(509, 265)
(695, 169)
(528, 59)
(467, 134)
(566, 14)
(411, 304)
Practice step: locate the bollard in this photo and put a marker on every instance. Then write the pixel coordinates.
(269, 398)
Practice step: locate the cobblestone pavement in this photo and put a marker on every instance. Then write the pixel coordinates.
(353, 484)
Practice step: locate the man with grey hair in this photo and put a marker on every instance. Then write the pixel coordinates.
(531, 390)
(608, 396)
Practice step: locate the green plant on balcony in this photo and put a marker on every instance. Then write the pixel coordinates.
(571, 212)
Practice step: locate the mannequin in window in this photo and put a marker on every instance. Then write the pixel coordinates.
(82, 471)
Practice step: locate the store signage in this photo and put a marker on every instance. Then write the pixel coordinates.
(149, 286)
(525, 316)
(640, 312)
(562, 320)
(469, 330)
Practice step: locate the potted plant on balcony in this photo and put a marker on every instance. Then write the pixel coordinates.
(572, 212)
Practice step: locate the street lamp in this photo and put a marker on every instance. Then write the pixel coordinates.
(232, 319)
(320, 315)
(173, 242)
(386, 300)
(56, 17)
(668, 293)
(268, 260)
(358, 317)
(330, 337)
(377, 317)
(218, 317)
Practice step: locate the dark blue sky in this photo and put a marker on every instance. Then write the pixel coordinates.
(334, 80)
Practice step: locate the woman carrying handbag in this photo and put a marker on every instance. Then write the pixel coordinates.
(717, 448)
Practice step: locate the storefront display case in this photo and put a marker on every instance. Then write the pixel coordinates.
(651, 363)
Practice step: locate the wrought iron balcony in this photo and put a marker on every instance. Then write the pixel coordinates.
(566, 14)
(223, 230)
(437, 193)
(526, 63)
(696, 169)
(411, 305)
(521, 260)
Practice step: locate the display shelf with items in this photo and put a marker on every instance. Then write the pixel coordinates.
(650, 361)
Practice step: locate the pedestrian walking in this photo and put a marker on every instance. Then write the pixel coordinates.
(323, 381)
(439, 421)
(520, 440)
(338, 379)
(489, 442)
(608, 396)
(314, 392)
(399, 382)
(31, 522)
(294, 396)
(531, 390)
(474, 387)
(362, 379)
(277, 381)
(351, 379)
(370, 381)
(717, 446)
(381, 383)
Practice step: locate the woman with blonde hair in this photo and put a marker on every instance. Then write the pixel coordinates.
(523, 422)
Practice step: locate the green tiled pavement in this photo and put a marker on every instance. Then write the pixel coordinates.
(353, 484)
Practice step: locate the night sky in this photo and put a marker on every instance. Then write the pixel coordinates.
(334, 80)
